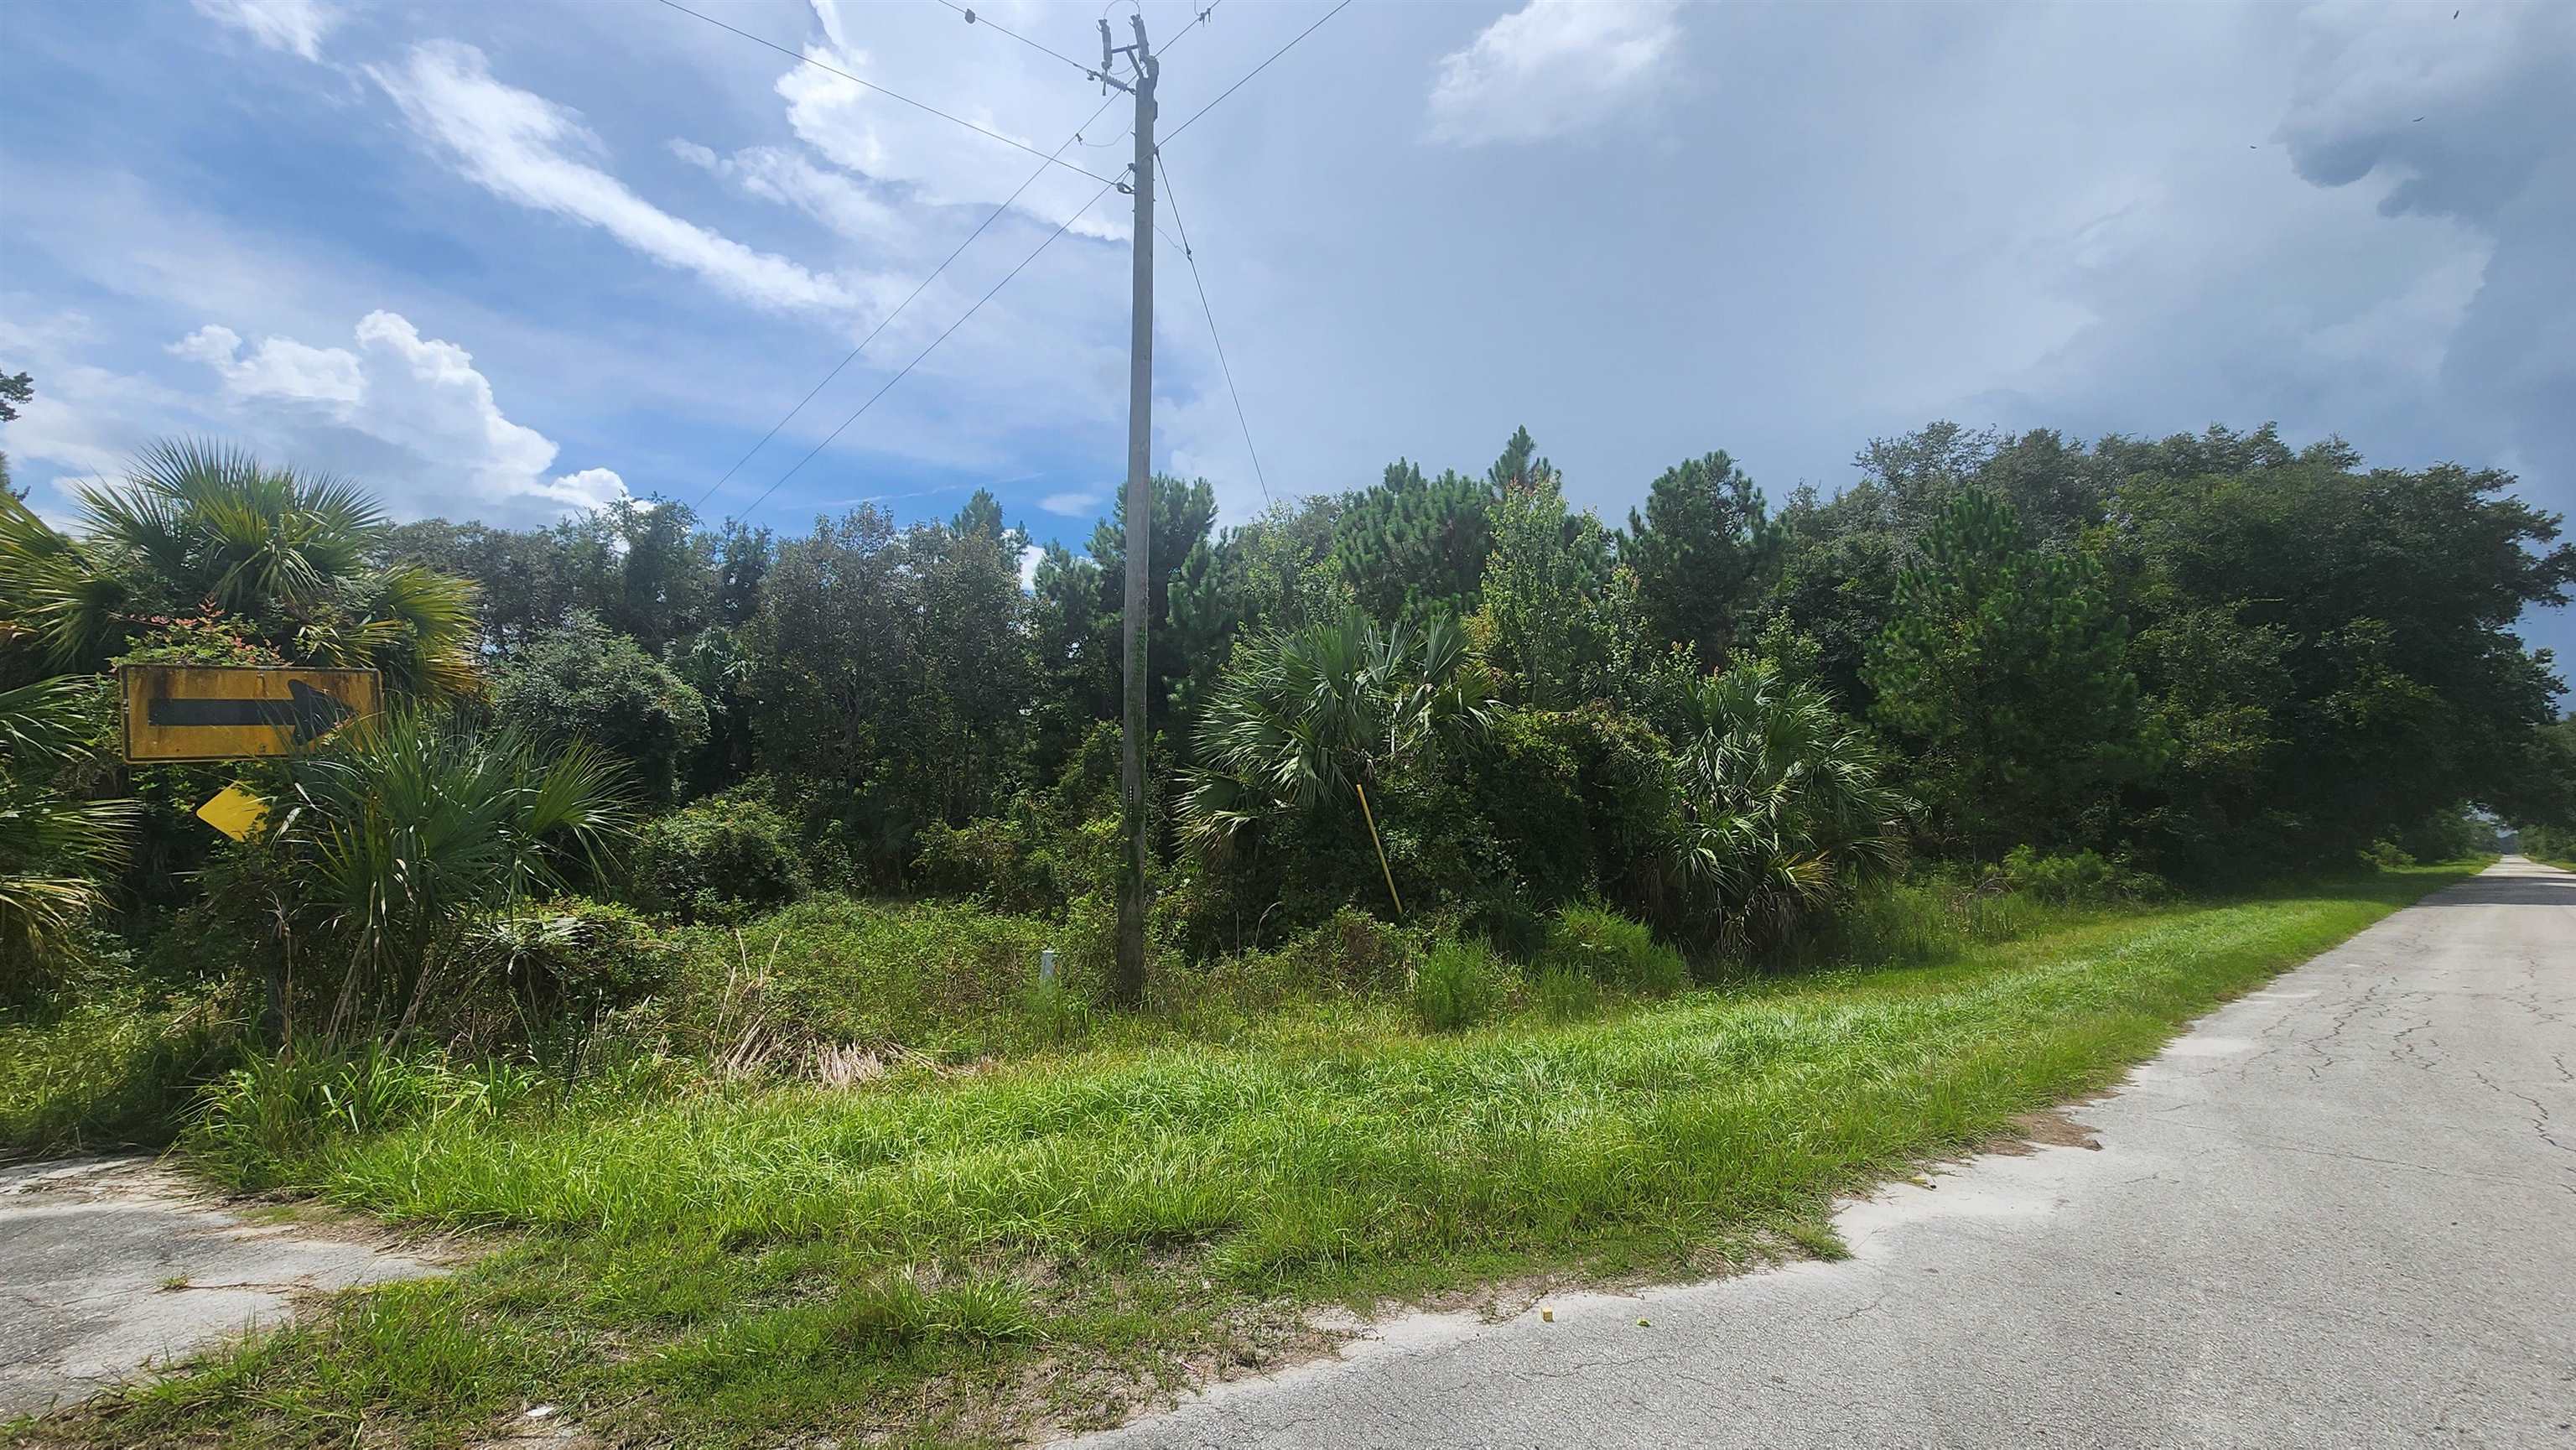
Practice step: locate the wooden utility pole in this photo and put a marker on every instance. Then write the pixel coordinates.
(1129, 984)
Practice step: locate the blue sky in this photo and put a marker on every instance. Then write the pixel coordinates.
(500, 259)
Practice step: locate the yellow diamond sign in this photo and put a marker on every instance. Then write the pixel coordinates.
(234, 811)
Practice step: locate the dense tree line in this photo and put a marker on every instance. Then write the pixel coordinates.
(2211, 652)
(2203, 656)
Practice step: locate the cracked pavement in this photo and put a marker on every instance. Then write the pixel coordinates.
(2339, 1211)
(111, 1266)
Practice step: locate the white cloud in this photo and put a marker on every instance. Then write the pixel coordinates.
(942, 163)
(1030, 555)
(1071, 505)
(589, 488)
(294, 25)
(425, 410)
(827, 13)
(279, 367)
(774, 173)
(1551, 68)
(520, 146)
(77, 419)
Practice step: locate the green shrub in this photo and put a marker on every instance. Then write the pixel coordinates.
(1352, 954)
(1572, 796)
(992, 858)
(1782, 812)
(1614, 951)
(2548, 843)
(2080, 876)
(1459, 982)
(2448, 835)
(393, 843)
(720, 860)
(572, 954)
(1932, 917)
(1034, 857)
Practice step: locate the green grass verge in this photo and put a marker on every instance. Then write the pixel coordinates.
(953, 1258)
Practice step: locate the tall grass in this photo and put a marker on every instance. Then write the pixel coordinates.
(114, 1071)
(262, 1123)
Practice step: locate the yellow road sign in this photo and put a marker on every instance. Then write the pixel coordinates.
(234, 811)
(228, 712)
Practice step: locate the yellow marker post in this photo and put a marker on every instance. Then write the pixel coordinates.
(235, 712)
(234, 811)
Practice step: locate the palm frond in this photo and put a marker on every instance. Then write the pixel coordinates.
(53, 853)
(1782, 806)
(52, 593)
(215, 524)
(415, 825)
(1297, 720)
(45, 722)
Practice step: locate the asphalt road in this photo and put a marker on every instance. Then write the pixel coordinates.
(2338, 1212)
(111, 1266)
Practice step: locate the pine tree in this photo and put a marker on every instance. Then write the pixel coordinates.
(1704, 551)
(1416, 546)
(1519, 464)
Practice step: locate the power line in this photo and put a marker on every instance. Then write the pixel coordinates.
(924, 285)
(974, 19)
(888, 319)
(977, 17)
(897, 95)
(1256, 70)
(1196, 21)
(927, 351)
(1173, 196)
(1201, 18)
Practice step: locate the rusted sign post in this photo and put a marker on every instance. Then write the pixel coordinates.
(235, 712)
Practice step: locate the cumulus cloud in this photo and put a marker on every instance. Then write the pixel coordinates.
(398, 404)
(290, 25)
(279, 367)
(1552, 68)
(526, 149)
(1030, 556)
